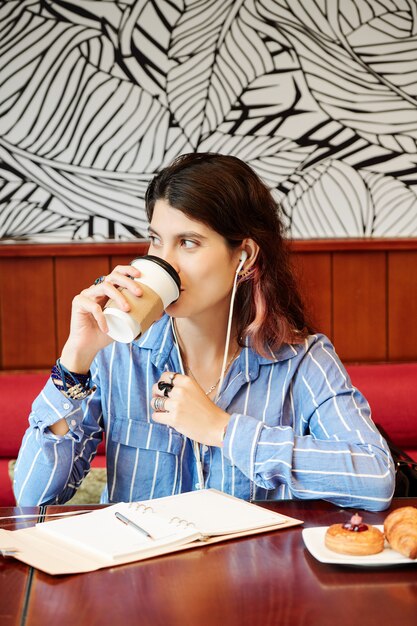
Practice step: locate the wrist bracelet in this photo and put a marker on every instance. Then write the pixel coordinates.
(74, 386)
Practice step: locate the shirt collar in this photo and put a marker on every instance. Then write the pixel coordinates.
(160, 340)
(251, 361)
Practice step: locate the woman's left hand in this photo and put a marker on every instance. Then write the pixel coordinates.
(187, 409)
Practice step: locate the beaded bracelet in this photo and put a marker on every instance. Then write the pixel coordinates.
(74, 386)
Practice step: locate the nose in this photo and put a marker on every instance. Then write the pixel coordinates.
(173, 264)
(170, 257)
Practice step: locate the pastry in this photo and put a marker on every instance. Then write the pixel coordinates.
(354, 538)
(400, 529)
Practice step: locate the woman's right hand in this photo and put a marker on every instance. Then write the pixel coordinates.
(88, 329)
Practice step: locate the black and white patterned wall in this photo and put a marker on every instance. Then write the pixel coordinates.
(319, 96)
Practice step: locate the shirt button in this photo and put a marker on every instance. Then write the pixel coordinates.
(66, 405)
(73, 422)
(204, 449)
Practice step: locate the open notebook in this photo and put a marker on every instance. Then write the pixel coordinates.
(100, 539)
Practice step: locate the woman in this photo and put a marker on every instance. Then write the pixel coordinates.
(259, 407)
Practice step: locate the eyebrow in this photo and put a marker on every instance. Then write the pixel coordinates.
(185, 235)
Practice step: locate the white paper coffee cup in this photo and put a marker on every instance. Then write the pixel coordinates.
(160, 285)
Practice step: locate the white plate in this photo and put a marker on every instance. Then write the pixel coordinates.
(314, 541)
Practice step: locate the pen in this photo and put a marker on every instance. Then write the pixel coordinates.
(129, 522)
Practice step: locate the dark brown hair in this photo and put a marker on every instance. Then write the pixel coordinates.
(225, 194)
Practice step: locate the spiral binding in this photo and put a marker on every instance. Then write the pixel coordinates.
(182, 523)
(141, 508)
(176, 521)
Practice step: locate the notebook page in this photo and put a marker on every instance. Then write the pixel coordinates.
(102, 534)
(215, 513)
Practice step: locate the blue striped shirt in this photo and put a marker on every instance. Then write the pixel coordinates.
(298, 429)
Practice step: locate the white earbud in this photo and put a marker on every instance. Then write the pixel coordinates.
(242, 259)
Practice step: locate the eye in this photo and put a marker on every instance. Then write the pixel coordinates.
(189, 243)
(155, 241)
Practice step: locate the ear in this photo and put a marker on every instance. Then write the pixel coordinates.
(251, 249)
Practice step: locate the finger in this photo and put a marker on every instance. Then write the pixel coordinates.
(114, 284)
(122, 276)
(126, 270)
(126, 279)
(165, 388)
(106, 291)
(160, 404)
(171, 378)
(84, 304)
(166, 383)
(161, 417)
(161, 389)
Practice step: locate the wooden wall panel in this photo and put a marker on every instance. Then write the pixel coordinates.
(402, 305)
(314, 272)
(122, 259)
(128, 254)
(73, 274)
(362, 293)
(360, 306)
(27, 313)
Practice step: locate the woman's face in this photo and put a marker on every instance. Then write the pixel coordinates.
(205, 263)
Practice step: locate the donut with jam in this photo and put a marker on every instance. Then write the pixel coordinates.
(354, 538)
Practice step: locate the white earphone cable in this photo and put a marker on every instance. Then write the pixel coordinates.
(196, 445)
(229, 325)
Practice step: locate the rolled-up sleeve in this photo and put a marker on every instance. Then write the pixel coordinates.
(326, 446)
(50, 468)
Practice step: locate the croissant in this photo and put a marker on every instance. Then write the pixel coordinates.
(400, 528)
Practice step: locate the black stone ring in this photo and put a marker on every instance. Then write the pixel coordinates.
(165, 387)
(99, 280)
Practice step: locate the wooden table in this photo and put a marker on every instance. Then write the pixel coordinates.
(263, 580)
(15, 577)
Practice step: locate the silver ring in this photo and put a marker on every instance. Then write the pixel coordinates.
(99, 280)
(159, 404)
